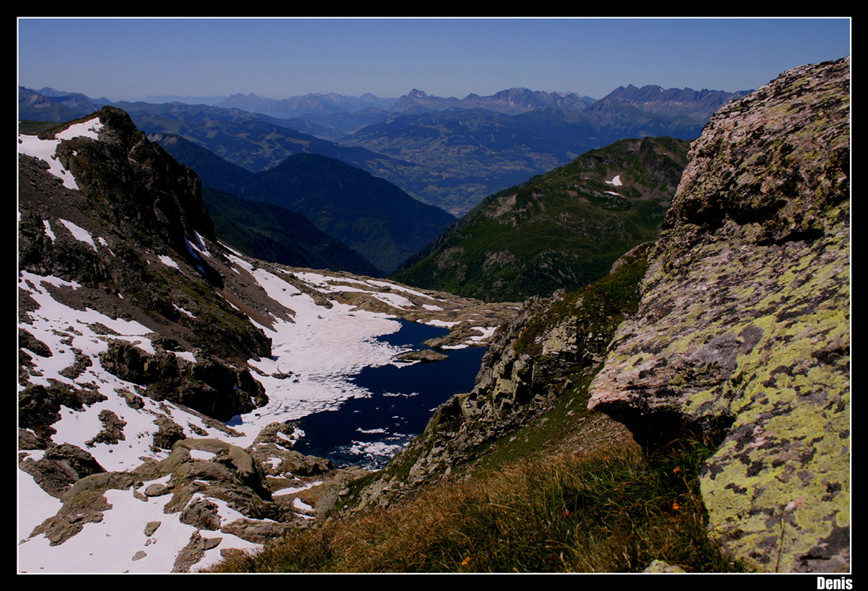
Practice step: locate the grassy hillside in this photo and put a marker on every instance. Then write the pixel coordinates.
(606, 511)
(560, 230)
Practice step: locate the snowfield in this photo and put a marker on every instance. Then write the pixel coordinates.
(321, 349)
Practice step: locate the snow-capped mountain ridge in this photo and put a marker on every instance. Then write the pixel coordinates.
(158, 367)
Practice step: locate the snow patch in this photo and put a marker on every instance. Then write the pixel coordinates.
(46, 150)
(168, 261)
(319, 350)
(79, 234)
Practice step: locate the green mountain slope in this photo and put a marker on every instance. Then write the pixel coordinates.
(563, 229)
(366, 213)
(274, 234)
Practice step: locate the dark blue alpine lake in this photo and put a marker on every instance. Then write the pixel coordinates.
(368, 431)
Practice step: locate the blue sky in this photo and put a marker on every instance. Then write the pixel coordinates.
(278, 58)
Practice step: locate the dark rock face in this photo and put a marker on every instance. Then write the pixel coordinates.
(146, 208)
(744, 323)
(39, 407)
(134, 186)
(209, 386)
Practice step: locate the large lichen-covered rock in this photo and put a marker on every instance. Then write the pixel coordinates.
(744, 323)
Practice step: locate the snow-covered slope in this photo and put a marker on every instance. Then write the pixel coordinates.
(323, 328)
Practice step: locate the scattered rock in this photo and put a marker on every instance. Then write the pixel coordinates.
(157, 490)
(167, 434)
(112, 431)
(659, 566)
(273, 451)
(258, 532)
(151, 528)
(201, 514)
(425, 356)
(193, 552)
(60, 467)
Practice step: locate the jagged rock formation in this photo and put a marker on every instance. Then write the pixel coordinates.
(744, 323)
(152, 210)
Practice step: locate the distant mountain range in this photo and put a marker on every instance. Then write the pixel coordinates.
(364, 184)
(447, 152)
(296, 106)
(514, 101)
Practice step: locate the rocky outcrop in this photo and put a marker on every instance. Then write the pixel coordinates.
(744, 326)
(197, 474)
(424, 356)
(148, 213)
(60, 468)
(39, 406)
(134, 186)
(210, 385)
(274, 450)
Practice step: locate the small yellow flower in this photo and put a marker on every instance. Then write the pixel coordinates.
(677, 469)
(466, 561)
(676, 506)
